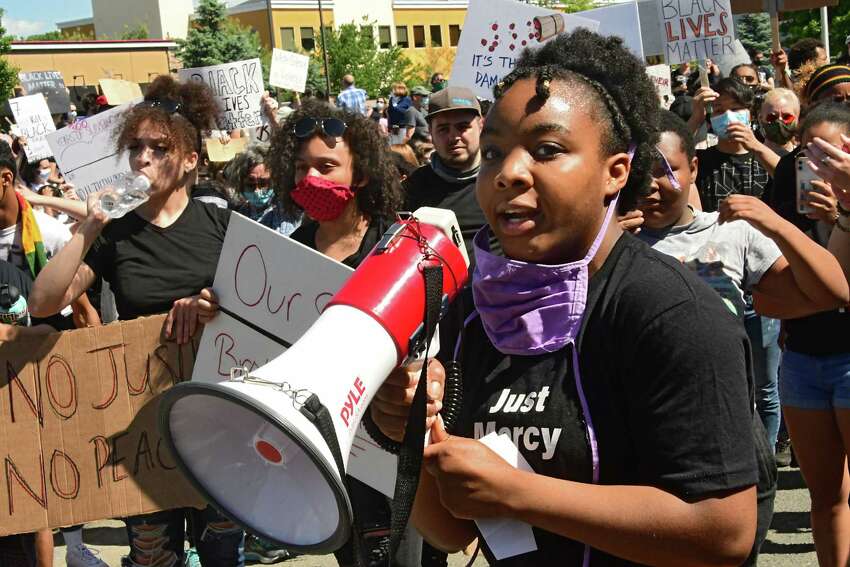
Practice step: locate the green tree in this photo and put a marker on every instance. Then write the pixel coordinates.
(570, 6)
(806, 23)
(8, 72)
(754, 31)
(214, 39)
(353, 49)
(54, 35)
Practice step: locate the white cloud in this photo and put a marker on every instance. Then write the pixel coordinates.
(25, 27)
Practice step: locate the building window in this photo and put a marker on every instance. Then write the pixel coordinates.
(436, 36)
(308, 39)
(384, 39)
(287, 39)
(418, 36)
(401, 37)
(454, 35)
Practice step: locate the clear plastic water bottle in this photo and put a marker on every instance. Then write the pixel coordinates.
(128, 193)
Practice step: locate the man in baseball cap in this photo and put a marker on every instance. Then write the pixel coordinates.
(448, 181)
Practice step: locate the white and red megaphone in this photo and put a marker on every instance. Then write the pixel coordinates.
(249, 446)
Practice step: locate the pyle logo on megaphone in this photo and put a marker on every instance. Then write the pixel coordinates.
(270, 468)
(355, 394)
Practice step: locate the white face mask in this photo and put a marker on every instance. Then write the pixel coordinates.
(44, 173)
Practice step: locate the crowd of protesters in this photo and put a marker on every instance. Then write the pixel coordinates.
(657, 269)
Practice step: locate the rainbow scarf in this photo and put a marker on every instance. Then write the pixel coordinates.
(31, 240)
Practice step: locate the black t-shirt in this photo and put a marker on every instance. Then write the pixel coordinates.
(148, 267)
(721, 175)
(306, 235)
(821, 334)
(427, 189)
(665, 372)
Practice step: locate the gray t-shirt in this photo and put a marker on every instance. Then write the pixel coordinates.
(730, 257)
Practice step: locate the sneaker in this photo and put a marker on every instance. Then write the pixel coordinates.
(783, 453)
(82, 556)
(191, 558)
(258, 550)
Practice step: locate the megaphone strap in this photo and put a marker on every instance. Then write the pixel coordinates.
(299, 396)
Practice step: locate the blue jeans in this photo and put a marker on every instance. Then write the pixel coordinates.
(764, 338)
(220, 542)
(815, 382)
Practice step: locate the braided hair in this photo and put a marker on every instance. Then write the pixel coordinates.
(626, 101)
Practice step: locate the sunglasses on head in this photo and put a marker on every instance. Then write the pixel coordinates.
(168, 106)
(786, 117)
(659, 162)
(331, 127)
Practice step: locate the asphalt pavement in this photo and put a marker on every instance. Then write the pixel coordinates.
(789, 543)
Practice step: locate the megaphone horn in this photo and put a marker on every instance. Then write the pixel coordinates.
(252, 445)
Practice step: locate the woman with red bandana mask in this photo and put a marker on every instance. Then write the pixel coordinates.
(337, 168)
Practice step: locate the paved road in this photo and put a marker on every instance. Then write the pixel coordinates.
(789, 543)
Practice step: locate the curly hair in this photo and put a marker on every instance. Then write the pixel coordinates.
(804, 51)
(371, 160)
(626, 102)
(196, 113)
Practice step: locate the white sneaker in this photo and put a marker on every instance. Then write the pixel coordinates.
(82, 556)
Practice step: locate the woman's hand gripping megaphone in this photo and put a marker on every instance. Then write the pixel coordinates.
(391, 404)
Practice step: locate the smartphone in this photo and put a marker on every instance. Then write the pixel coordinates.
(805, 176)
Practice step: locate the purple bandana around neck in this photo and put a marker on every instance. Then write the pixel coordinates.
(526, 308)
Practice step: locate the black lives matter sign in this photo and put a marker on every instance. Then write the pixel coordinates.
(238, 88)
(51, 85)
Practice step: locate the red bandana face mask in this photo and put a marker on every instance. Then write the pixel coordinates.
(321, 199)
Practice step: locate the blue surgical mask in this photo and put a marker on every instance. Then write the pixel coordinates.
(259, 198)
(44, 174)
(720, 123)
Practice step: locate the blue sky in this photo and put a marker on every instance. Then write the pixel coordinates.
(25, 17)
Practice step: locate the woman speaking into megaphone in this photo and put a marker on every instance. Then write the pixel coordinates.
(619, 376)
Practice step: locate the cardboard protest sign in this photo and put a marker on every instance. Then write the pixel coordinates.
(34, 123)
(51, 85)
(289, 70)
(85, 151)
(696, 29)
(738, 56)
(119, 91)
(660, 77)
(267, 281)
(494, 34)
(620, 20)
(218, 151)
(238, 88)
(79, 420)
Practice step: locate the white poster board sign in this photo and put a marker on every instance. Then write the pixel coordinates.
(237, 87)
(620, 20)
(280, 286)
(289, 70)
(696, 30)
(494, 34)
(34, 123)
(660, 77)
(85, 151)
(739, 55)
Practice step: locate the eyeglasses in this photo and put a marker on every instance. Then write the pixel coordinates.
(168, 106)
(331, 127)
(659, 163)
(786, 117)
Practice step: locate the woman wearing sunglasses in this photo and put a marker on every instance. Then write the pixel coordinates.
(338, 170)
(160, 257)
(778, 118)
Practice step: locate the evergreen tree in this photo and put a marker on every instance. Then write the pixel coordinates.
(8, 72)
(754, 31)
(214, 39)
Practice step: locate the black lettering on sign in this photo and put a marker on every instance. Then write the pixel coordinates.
(159, 456)
(101, 456)
(12, 472)
(66, 493)
(58, 365)
(115, 459)
(113, 394)
(35, 405)
(143, 449)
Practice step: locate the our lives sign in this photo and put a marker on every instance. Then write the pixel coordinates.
(696, 29)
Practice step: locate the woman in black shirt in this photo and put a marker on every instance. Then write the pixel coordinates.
(337, 168)
(620, 376)
(161, 257)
